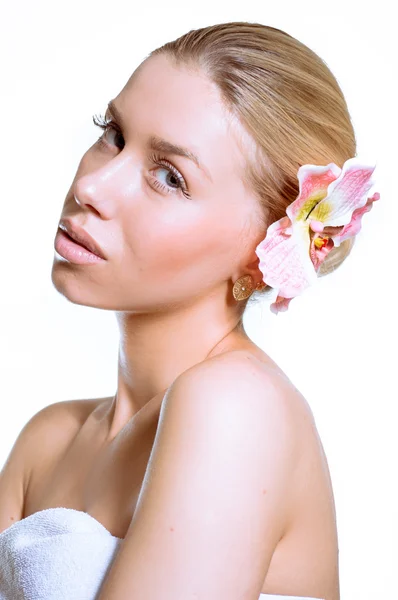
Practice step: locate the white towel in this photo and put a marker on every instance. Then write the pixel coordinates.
(61, 554)
(55, 554)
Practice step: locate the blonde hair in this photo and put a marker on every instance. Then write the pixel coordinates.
(288, 100)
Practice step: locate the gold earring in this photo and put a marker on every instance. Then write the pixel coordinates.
(244, 287)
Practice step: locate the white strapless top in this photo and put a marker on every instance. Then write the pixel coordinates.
(61, 554)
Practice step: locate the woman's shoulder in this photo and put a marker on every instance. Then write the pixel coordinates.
(65, 417)
(247, 355)
(250, 377)
(249, 364)
(53, 428)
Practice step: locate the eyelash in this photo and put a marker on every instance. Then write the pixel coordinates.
(161, 161)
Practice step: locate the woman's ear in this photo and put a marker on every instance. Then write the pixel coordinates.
(252, 268)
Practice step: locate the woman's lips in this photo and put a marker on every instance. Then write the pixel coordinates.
(73, 251)
(80, 236)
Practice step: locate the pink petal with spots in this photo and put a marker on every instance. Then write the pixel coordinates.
(314, 181)
(284, 259)
(354, 226)
(346, 194)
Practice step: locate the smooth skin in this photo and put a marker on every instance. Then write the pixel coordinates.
(207, 459)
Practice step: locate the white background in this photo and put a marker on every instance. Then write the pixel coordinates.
(62, 63)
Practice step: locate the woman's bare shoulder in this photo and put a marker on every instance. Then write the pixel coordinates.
(41, 439)
(70, 414)
(251, 355)
(270, 382)
(54, 427)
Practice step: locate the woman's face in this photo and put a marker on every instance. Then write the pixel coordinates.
(170, 230)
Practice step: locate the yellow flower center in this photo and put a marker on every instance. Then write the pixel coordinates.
(320, 242)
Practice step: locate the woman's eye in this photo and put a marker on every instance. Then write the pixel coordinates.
(169, 179)
(174, 181)
(113, 136)
(118, 137)
(109, 126)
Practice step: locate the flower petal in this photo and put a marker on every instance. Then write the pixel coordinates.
(314, 181)
(318, 255)
(354, 226)
(281, 304)
(316, 225)
(284, 259)
(346, 194)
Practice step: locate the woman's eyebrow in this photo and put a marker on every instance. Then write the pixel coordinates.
(161, 145)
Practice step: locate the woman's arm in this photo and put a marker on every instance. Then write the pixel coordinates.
(14, 475)
(214, 502)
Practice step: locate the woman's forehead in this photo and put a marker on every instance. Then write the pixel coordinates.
(183, 107)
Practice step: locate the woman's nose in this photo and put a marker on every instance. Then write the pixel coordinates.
(103, 189)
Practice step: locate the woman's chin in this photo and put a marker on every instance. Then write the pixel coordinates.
(77, 289)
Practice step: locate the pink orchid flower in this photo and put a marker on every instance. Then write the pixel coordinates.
(327, 211)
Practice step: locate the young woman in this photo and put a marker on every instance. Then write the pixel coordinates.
(206, 464)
